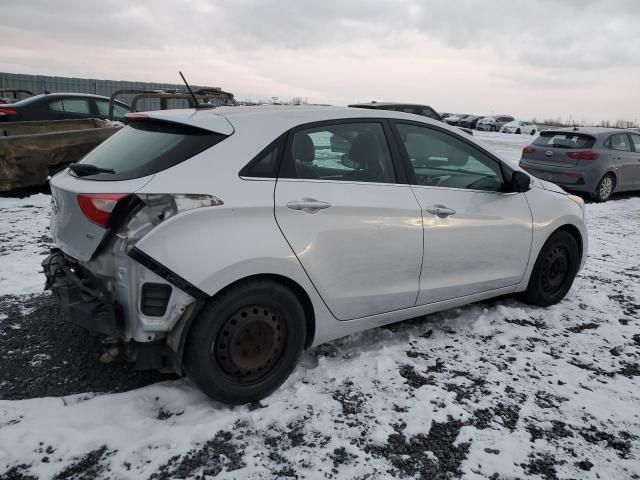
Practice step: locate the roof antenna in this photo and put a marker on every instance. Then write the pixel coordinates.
(195, 99)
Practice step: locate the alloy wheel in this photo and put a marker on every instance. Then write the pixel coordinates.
(606, 187)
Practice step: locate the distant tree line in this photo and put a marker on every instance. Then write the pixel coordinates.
(559, 122)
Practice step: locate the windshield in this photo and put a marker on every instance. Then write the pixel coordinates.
(146, 147)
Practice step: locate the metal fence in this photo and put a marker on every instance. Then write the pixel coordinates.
(42, 83)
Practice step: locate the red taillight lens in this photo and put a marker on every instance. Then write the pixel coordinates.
(98, 207)
(588, 155)
(8, 111)
(528, 149)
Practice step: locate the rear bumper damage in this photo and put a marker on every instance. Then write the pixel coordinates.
(89, 303)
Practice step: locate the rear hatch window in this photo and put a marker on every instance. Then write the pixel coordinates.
(570, 140)
(146, 147)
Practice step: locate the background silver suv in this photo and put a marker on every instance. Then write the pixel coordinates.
(599, 161)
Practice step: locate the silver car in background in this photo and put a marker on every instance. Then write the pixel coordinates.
(221, 243)
(598, 161)
(493, 123)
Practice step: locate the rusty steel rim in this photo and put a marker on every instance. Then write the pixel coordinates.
(250, 343)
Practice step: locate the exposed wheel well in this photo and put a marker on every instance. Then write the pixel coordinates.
(572, 230)
(297, 290)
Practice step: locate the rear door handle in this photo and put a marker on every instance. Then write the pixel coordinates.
(440, 211)
(308, 205)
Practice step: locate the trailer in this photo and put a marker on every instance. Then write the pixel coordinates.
(32, 151)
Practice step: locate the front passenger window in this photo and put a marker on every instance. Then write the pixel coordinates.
(441, 160)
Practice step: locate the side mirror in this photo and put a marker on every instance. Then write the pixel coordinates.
(520, 182)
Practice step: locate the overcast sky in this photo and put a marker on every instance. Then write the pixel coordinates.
(530, 58)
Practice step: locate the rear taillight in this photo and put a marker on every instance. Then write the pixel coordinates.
(99, 206)
(7, 111)
(528, 149)
(588, 155)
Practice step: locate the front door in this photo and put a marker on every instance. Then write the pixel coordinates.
(476, 238)
(355, 230)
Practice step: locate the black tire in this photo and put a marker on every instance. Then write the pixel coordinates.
(554, 271)
(494, 128)
(246, 341)
(533, 132)
(605, 188)
(518, 131)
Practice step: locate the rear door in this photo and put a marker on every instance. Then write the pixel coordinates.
(476, 238)
(626, 160)
(354, 227)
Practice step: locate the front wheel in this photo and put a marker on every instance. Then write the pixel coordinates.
(246, 341)
(604, 189)
(533, 132)
(554, 270)
(518, 131)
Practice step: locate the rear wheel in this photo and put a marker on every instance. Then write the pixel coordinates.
(554, 270)
(605, 188)
(245, 342)
(518, 131)
(533, 132)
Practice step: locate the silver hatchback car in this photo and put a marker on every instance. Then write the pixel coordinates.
(599, 161)
(221, 243)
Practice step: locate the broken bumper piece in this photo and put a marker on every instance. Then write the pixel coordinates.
(87, 304)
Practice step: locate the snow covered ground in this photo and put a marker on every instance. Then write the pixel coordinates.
(493, 390)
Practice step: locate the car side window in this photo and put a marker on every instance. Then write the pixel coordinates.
(76, 105)
(441, 160)
(620, 142)
(56, 106)
(350, 152)
(264, 166)
(118, 110)
(635, 139)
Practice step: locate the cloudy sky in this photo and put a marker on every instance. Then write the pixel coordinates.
(530, 58)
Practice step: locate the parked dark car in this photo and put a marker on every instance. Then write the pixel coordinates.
(423, 110)
(61, 106)
(469, 121)
(416, 109)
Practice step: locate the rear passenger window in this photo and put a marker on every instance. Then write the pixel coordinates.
(635, 139)
(76, 105)
(620, 142)
(56, 106)
(264, 166)
(356, 152)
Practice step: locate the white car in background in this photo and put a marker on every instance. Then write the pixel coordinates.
(221, 243)
(520, 126)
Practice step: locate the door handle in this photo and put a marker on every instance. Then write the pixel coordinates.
(440, 211)
(308, 205)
